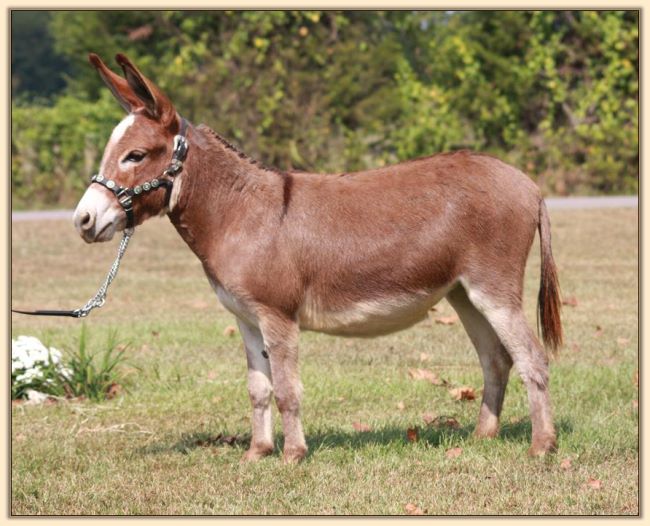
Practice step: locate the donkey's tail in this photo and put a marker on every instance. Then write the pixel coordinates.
(549, 303)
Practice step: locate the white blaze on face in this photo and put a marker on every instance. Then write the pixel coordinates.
(98, 214)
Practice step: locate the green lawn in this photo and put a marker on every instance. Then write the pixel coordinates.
(155, 449)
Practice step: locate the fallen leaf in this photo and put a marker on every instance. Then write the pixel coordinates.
(566, 464)
(424, 357)
(622, 342)
(635, 404)
(20, 437)
(463, 393)
(212, 375)
(454, 452)
(155, 334)
(341, 398)
(412, 434)
(113, 390)
(428, 418)
(229, 439)
(446, 421)
(425, 374)
(599, 331)
(400, 406)
(594, 484)
(570, 301)
(575, 347)
(412, 509)
(360, 427)
(229, 331)
(446, 320)
(216, 399)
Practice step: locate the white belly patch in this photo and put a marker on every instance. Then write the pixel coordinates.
(371, 317)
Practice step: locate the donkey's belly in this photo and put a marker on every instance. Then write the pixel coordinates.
(368, 318)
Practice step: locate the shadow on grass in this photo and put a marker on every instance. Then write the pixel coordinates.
(190, 441)
(519, 431)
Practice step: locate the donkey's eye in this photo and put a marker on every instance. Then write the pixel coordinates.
(134, 157)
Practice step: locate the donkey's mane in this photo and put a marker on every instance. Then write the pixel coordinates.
(223, 142)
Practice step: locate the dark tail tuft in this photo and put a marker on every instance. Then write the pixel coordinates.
(549, 302)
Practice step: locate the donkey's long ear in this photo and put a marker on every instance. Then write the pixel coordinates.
(118, 86)
(155, 102)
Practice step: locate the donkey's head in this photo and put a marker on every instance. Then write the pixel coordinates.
(138, 152)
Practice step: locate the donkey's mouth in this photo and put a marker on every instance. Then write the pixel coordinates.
(105, 234)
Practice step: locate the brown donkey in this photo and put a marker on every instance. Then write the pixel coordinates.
(358, 254)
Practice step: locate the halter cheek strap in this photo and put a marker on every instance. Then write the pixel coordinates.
(125, 195)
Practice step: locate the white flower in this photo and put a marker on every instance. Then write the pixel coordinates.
(29, 356)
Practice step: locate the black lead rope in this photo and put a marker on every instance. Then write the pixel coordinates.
(125, 198)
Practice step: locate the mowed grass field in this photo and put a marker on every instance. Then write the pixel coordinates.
(155, 449)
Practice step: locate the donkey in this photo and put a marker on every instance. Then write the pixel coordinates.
(357, 254)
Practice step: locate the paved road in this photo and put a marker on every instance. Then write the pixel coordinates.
(554, 203)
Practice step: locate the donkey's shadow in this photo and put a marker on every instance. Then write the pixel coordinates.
(519, 432)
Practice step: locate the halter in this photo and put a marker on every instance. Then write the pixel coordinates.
(125, 195)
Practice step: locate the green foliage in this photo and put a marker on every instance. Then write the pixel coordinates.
(91, 375)
(55, 149)
(34, 367)
(554, 92)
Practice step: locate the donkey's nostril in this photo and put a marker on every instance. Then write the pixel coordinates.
(85, 221)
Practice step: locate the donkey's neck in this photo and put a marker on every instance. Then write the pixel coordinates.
(219, 185)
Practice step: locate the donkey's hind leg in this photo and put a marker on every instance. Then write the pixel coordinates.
(494, 359)
(509, 322)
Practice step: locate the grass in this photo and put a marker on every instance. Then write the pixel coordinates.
(172, 444)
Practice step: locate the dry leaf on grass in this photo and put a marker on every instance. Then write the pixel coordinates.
(635, 404)
(446, 421)
(400, 406)
(425, 374)
(212, 375)
(412, 509)
(428, 418)
(424, 357)
(594, 484)
(570, 301)
(599, 331)
(361, 427)
(412, 434)
(575, 347)
(622, 342)
(446, 320)
(454, 452)
(113, 390)
(229, 331)
(463, 393)
(566, 464)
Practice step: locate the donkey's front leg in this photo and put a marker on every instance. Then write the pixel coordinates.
(281, 342)
(260, 391)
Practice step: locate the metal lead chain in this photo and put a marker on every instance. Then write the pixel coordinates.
(99, 298)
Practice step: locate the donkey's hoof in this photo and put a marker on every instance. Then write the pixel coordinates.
(543, 445)
(486, 432)
(293, 455)
(255, 453)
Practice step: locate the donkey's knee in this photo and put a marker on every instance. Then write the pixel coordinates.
(260, 389)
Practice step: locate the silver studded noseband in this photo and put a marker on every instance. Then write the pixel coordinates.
(125, 195)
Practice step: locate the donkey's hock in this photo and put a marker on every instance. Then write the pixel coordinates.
(358, 254)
